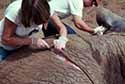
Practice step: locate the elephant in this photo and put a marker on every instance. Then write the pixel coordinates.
(86, 60)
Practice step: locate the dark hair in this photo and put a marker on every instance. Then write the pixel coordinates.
(96, 2)
(37, 11)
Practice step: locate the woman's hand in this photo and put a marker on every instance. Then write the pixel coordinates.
(99, 30)
(60, 43)
(39, 43)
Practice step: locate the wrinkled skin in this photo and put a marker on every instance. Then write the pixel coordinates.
(98, 63)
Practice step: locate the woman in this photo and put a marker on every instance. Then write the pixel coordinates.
(20, 19)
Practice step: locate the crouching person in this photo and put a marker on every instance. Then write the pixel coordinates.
(20, 19)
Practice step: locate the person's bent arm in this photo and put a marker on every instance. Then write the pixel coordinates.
(60, 43)
(59, 25)
(9, 37)
(79, 23)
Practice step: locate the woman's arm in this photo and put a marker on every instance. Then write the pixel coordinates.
(9, 37)
(79, 23)
(59, 25)
(60, 43)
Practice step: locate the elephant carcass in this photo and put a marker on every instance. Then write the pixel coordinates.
(93, 60)
(109, 53)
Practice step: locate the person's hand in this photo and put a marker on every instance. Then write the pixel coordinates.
(60, 43)
(39, 43)
(99, 30)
